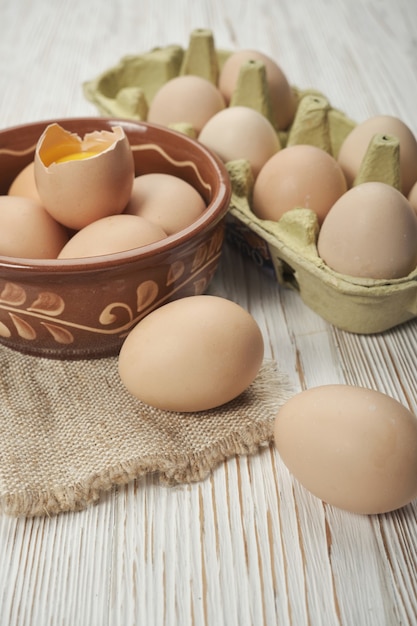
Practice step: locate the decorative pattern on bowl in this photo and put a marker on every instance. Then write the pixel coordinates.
(86, 307)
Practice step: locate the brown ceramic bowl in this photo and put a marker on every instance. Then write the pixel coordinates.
(85, 308)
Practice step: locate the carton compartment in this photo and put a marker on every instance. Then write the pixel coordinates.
(285, 250)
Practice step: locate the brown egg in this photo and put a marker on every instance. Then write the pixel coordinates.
(241, 133)
(354, 448)
(282, 97)
(28, 231)
(371, 231)
(412, 197)
(298, 176)
(83, 180)
(24, 185)
(165, 200)
(354, 148)
(187, 98)
(192, 354)
(111, 234)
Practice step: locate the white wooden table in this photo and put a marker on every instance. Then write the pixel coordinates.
(248, 546)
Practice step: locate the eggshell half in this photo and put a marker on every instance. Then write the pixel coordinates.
(354, 448)
(192, 354)
(80, 191)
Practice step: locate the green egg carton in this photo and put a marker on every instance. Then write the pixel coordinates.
(287, 249)
(127, 89)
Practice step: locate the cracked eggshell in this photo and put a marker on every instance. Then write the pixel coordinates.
(352, 447)
(82, 180)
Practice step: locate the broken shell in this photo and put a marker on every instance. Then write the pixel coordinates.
(83, 180)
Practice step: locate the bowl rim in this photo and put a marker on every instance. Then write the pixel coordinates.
(214, 212)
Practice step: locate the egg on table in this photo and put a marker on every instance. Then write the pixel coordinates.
(352, 447)
(192, 354)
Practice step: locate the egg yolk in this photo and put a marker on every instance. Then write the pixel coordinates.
(76, 156)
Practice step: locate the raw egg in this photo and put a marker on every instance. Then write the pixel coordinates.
(371, 231)
(241, 133)
(192, 354)
(187, 98)
(283, 101)
(28, 231)
(354, 147)
(165, 200)
(111, 234)
(298, 176)
(82, 180)
(354, 448)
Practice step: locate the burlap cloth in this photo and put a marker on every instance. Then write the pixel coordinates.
(69, 431)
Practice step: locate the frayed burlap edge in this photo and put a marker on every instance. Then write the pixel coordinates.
(176, 470)
(180, 470)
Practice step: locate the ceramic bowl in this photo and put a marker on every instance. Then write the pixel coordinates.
(85, 308)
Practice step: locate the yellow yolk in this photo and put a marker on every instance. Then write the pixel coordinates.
(76, 156)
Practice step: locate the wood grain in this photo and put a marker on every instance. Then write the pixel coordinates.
(247, 546)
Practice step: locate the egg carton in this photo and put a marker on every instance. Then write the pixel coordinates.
(287, 249)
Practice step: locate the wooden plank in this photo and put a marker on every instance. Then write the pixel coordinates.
(247, 546)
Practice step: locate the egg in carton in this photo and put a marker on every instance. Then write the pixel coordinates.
(287, 248)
